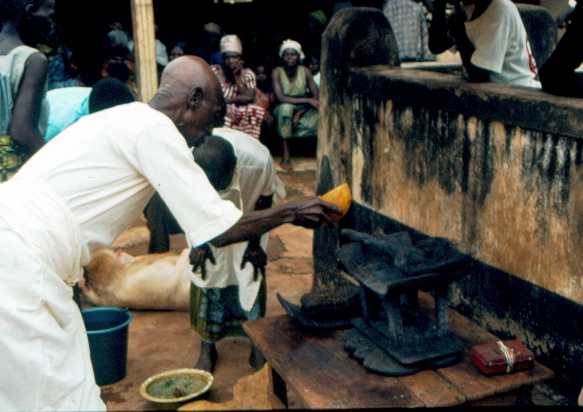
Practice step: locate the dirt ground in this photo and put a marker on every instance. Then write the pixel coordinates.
(162, 340)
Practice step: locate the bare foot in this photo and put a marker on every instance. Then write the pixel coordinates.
(208, 357)
(256, 358)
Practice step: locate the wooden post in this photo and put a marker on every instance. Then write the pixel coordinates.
(145, 48)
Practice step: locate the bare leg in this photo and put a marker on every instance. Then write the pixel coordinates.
(256, 358)
(285, 157)
(208, 357)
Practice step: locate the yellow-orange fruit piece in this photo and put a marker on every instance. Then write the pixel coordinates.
(340, 196)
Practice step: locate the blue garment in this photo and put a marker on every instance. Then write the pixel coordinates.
(410, 27)
(66, 106)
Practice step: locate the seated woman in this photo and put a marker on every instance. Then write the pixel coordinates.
(239, 87)
(297, 110)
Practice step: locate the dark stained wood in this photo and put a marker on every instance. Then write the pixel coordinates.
(318, 369)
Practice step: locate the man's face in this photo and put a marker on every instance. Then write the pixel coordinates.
(199, 122)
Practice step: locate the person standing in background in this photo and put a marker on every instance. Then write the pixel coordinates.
(23, 81)
(209, 48)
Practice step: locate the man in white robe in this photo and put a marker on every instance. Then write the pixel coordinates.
(81, 191)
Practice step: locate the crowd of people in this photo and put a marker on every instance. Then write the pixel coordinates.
(199, 168)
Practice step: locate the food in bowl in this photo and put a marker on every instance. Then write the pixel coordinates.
(176, 385)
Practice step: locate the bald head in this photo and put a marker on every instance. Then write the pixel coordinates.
(191, 95)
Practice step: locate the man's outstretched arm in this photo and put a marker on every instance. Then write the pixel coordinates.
(309, 212)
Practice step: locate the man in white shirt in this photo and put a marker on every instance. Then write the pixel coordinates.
(491, 39)
(80, 192)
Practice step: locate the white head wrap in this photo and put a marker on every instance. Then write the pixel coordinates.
(231, 43)
(291, 44)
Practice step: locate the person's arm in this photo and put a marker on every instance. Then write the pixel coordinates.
(246, 85)
(313, 88)
(439, 40)
(465, 47)
(308, 212)
(282, 98)
(27, 107)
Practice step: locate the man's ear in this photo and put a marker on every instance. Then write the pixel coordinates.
(195, 96)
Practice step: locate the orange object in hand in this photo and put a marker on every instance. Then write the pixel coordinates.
(340, 196)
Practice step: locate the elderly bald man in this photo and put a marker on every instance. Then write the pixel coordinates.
(76, 195)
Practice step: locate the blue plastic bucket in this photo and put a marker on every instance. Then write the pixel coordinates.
(107, 331)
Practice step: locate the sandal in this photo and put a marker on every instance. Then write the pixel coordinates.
(286, 165)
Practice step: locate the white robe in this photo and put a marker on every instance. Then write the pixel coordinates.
(76, 195)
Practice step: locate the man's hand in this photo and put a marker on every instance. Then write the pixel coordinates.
(198, 257)
(312, 212)
(256, 256)
(238, 67)
(456, 26)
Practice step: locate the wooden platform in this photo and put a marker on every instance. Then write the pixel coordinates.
(315, 371)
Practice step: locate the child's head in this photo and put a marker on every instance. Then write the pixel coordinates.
(216, 157)
(314, 64)
(261, 73)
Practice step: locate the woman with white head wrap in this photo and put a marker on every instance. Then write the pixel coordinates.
(239, 87)
(297, 95)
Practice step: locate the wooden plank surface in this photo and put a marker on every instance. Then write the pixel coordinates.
(433, 389)
(318, 369)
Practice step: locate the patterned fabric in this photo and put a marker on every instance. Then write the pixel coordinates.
(410, 27)
(216, 313)
(247, 118)
(284, 113)
(11, 157)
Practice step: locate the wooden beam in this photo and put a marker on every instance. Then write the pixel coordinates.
(144, 48)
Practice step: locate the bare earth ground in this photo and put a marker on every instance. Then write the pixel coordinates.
(162, 340)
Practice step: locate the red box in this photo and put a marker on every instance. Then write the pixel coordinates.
(502, 357)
